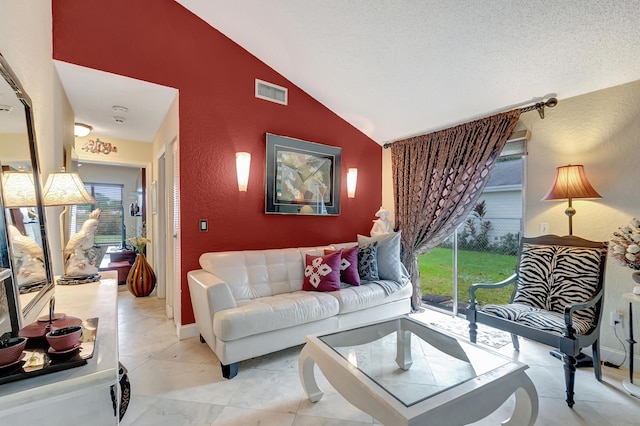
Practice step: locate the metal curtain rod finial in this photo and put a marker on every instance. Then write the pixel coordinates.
(551, 102)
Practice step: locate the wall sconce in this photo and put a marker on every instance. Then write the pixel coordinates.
(352, 180)
(81, 130)
(243, 163)
(571, 182)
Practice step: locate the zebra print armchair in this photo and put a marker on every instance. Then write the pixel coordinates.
(557, 299)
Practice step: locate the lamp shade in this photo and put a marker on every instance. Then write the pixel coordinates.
(65, 189)
(571, 182)
(243, 163)
(18, 189)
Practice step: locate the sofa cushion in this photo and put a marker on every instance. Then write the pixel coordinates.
(259, 273)
(534, 275)
(575, 279)
(552, 277)
(537, 318)
(322, 273)
(355, 298)
(368, 262)
(273, 313)
(388, 255)
(348, 265)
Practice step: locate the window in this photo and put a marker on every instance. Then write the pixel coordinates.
(109, 200)
(483, 248)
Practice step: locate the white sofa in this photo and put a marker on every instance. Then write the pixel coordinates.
(251, 303)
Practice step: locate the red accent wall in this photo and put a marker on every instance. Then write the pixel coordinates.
(161, 42)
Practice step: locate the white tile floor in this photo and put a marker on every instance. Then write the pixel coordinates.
(179, 383)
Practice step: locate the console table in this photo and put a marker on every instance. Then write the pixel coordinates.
(80, 395)
(629, 386)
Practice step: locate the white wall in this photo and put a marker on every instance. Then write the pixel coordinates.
(26, 43)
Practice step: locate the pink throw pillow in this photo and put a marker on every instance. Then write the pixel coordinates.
(322, 273)
(348, 265)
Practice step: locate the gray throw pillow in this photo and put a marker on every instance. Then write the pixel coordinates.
(388, 256)
(367, 262)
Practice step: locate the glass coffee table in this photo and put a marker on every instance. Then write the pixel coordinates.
(402, 372)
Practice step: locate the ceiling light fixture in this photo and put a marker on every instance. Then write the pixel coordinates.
(81, 130)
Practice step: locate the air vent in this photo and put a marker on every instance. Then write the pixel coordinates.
(271, 92)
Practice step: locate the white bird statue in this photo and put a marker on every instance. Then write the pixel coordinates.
(28, 257)
(77, 262)
(22, 245)
(83, 239)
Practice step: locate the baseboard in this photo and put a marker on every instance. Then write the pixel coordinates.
(186, 331)
(168, 311)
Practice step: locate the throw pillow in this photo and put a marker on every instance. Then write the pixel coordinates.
(367, 262)
(388, 256)
(322, 273)
(348, 265)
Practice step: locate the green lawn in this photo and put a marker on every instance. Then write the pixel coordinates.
(436, 273)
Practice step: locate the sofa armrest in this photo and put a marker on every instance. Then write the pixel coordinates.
(209, 294)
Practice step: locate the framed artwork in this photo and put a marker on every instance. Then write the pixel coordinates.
(302, 177)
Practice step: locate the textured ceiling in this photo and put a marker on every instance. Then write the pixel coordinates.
(399, 68)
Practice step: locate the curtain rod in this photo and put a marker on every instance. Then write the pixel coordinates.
(539, 106)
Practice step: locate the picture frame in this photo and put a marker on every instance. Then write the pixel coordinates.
(302, 178)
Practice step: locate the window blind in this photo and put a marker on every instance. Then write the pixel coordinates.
(109, 201)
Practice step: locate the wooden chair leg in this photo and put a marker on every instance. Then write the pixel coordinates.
(595, 348)
(473, 332)
(569, 377)
(516, 343)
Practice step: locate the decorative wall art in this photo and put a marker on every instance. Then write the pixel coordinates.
(99, 147)
(302, 177)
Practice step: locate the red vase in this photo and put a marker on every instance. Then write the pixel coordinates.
(141, 280)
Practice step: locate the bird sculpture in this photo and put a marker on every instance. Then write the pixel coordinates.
(28, 257)
(77, 262)
(23, 246)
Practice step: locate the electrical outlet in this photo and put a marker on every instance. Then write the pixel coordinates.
(616, 318)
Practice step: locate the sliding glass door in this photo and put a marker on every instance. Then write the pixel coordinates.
(483, 248)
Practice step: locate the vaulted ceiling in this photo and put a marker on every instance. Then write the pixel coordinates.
(399, 68)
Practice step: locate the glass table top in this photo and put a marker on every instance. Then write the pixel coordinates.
(437, 361)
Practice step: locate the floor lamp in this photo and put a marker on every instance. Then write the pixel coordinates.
(571, 182)
(65, 189)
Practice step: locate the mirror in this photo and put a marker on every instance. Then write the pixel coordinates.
(24, 246)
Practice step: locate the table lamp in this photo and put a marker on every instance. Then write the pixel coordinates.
(65, 189)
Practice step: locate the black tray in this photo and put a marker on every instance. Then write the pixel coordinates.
(38, 360)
